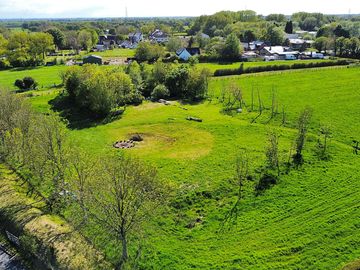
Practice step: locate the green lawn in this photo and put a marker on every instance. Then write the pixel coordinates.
(123, 53)
(310, 220)
(45, 76)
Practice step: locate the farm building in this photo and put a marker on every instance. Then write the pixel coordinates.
(92, 59)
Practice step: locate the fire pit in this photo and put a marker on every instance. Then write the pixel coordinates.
(124, 144)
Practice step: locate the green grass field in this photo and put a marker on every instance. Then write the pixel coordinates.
(215, 66)
(115, 53)
(310, 220)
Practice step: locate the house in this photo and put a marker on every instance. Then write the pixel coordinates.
(249, 55)
(253, 46)
(278, 53)
(159, 36)
(292, 36)
(92, 59)
(186, 53)
(300, 44)
(107, 41)
(128, 45)
(136, 37)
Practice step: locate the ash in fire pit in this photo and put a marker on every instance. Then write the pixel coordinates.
(124, 144)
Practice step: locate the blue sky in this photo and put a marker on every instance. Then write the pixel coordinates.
(149, 8)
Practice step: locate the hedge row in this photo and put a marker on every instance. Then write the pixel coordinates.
(257, 69)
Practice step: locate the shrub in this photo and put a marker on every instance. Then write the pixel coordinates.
(266, 181)
(29, 83)
(19, 84)
(159, 92)
(26, 84)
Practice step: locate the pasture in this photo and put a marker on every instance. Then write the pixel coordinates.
(307, 221)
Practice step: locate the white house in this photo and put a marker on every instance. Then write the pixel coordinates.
(278, 53)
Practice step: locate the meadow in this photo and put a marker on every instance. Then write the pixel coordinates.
(309, 220)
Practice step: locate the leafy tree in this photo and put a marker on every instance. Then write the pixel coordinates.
(148, 52)
(309, 24)
(3, 44)
(289, 27)
(197, 84)
(100, 90)
(321, 44)
(276, 18)
(160, 91)
(232, 48)
(176, 80)
(72, 41)
(339, 31)
(249, 36)
(18, 49)
(174, 44)
(58, 36)
(40, 43)
(273, 34)
(85, 39)
(218, 21)
(134, 71)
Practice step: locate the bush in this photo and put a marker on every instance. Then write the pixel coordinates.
(19, 84)
(159, 92)
(266, 181)
(26, 84)
(29, 83)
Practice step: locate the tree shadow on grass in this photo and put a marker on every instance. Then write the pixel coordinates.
(79, 118)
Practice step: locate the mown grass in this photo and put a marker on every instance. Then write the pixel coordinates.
(309, 220)
(45, 76)
(123, 53)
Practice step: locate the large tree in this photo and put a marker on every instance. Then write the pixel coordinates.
(232, 48)
(40, 43)
(59, 37)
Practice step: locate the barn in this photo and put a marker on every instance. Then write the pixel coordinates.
(92, 59)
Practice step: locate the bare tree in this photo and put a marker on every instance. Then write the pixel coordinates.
(124, 193)
(241, 174)
(323, 142)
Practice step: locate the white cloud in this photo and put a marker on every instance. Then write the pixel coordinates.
(136, 8)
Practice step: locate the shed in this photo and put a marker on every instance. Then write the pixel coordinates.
(92, 59)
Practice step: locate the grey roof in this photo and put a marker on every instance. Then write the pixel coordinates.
(93, 56)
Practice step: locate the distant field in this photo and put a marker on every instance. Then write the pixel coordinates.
(115, 53)
(214, 66)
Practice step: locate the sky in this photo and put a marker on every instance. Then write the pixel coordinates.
(161, 8)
